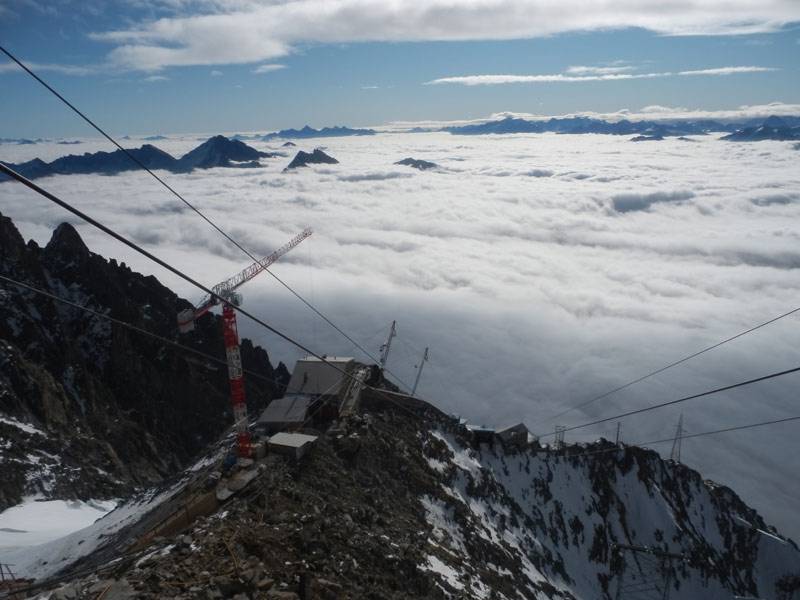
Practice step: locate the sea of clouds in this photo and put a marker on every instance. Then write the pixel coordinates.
(542, 270)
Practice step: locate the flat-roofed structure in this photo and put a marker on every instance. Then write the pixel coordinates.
(313, 377)
(291, 444)
(285, 413)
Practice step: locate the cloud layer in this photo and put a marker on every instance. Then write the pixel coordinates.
(542, 270)
(584, 74)
(242, 31)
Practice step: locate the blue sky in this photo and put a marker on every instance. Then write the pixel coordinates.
(143, 67)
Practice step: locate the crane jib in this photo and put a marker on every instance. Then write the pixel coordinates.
(226, 289)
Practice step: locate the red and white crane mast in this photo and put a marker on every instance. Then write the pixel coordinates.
(225, 294)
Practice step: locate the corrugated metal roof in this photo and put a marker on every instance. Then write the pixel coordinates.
(312, 376)
(289, 409)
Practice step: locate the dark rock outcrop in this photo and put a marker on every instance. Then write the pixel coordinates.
(416, 163)
(317, 157)
(91, 409)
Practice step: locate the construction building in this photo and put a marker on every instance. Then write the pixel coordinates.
(290, 412)
(322, 380)
(515, 436)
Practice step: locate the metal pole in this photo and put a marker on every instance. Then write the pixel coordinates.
(419, 372)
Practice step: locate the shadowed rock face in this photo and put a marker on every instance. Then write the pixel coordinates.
(303, 159)
(416, 163)
(217, 151)
(102, 408)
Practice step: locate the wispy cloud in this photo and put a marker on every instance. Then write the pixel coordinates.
(571, 77)
(268, 68)
(216, 73)
(728, 71)
(155, 78)
(609, 70)
(10, 67)
(246, 32)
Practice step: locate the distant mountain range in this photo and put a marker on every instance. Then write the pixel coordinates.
(217, 151)
(20, 141)
(591, 125)
(310, 132)
(772, 128)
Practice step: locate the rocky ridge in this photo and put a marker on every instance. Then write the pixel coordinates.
(92, 410)
(389, 505)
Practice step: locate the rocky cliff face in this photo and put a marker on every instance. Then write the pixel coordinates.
(391, 506)
(89, 409)
(541, 523)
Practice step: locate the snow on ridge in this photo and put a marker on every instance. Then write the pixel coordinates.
(26, 427)
(555, 518)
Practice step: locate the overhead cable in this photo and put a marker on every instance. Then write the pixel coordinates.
(669, 366)
(680, 400)
(189, 204)
(130, 326)
(107, 230)
(685, 436)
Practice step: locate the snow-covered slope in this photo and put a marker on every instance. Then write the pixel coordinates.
(539, 523)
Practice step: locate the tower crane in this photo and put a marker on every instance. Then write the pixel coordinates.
(225, 293)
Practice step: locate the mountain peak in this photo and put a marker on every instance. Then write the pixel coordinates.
(303, 159)
(11, 243)
(67, 240)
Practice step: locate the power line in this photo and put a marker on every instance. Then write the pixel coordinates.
(190, 205)
(669, 366)
(107, 230)
(130, 326)
(689, 435)
(680, 400)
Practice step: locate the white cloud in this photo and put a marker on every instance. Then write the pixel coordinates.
(727, 71)
(216, 73)
(512, 264)
(240, 31)
(10, 67)
(608, 70)
(591, 74)
(269, 68)
(155, 78)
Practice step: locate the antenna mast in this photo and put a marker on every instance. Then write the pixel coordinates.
(419, 371)
(676, 444)
(387, 346)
